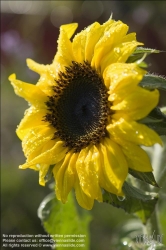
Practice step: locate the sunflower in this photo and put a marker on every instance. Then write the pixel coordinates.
(83, 120)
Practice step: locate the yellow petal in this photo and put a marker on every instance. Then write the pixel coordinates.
(136, 157)
(87, 167)
(129, 38)
(114, 167)
(118, 54)
(94, 33)
(48, 74)
(64, 55)
(51, 156)
(82, 199)
(137, 104)
(94, 39)
(29, 92)
(134, 132)
(106, 26)
(69, 29)
(85, 41)
(78, 46)
(35, 140)
(47, 146)
(112, 36)
(65, 177)
(32, 118)
(122, 78)
(36, 67)
(42, 173)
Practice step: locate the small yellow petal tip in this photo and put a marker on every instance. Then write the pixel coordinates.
(21, 167)
(12, 77)
(28, 61)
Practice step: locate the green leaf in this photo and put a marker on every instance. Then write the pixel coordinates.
(158, 154)
(152, 81)
(157, 114)
(142, 50)
(163, 110)
(147, 177)
(140, 53)
(156, 120)
(135, 201)
(159, 127)
(142, 64)
(64, 219)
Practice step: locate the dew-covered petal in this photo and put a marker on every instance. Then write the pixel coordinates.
(48, 74)
(136, 157)
(78, 46)
(87, 167)
(85, 41)
(36, 67)
(82, 199)
(94, 33)
(64, 55)
(113, 34)
(35, 140)
(69, 29)
(114, 168)
(33, 117)
(43, 170)
(134, 132)
(137, 104)
(121, 79)
(52, 156)
(29, 92)
(65, 176)
(131, 37)
(118, 54)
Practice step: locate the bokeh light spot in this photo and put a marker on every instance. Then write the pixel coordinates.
(142, 14)
(20, 7)
(10, 40)
(61, 15)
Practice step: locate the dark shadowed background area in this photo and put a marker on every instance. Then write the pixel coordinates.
(29, 29)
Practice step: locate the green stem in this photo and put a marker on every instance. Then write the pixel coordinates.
(152, 226)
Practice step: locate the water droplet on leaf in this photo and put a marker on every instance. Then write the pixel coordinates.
(45, 207)
(121, 198)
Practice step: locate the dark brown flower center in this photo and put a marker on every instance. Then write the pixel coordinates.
(79, 108)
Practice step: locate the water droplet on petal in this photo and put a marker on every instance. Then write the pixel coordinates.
(88, 29)
(38, 166)
(107, 34)
(125, 72)
(26, 111)
(117, 50)
(112, 97)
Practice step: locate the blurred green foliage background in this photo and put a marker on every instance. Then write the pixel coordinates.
(29, 29)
